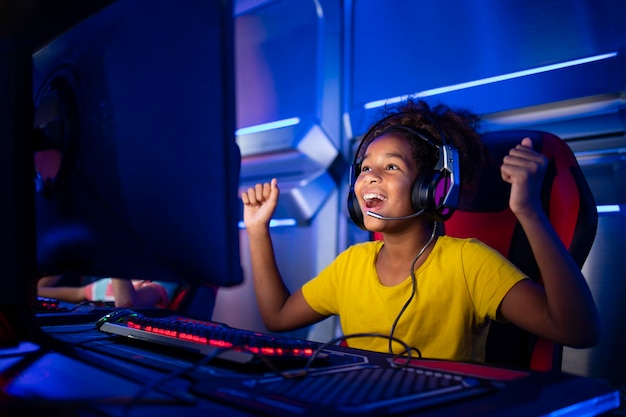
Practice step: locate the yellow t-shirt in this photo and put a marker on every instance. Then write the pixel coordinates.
(459, 290)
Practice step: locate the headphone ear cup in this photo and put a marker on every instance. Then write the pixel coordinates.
(355, 211)
(420, 194)
(424, 195)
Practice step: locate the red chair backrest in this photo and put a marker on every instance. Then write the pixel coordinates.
(571, 208)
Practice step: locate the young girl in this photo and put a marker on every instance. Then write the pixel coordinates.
(434, 292)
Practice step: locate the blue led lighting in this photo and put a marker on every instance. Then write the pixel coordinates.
(275, 223)
(490, 80)
(609, 208)
(592, 407)
(267, 126)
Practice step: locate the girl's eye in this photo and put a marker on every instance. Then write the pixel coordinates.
(392, 167)
(365, 169)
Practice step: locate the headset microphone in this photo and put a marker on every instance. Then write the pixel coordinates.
(381, 217)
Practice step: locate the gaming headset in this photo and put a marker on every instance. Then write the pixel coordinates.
(435, 193)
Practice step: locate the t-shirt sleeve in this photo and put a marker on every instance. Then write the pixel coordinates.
(324, 292)
(489, 277)
(321, 293)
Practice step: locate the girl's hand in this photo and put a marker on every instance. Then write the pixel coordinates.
(259, 203)
(524, 169)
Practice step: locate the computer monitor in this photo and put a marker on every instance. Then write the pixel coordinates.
(137, 163)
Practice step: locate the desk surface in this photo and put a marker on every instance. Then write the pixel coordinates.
(83, 372)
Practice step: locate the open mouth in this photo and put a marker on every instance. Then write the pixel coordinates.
(373, 200)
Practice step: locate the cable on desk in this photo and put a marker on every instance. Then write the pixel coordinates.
(302, 372)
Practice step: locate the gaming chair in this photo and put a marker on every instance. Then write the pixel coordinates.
(571, 208)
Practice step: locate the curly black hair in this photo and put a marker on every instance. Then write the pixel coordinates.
(416, 118)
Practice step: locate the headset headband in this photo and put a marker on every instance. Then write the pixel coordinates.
(439, 190)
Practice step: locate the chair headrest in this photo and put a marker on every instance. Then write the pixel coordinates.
(493, 193)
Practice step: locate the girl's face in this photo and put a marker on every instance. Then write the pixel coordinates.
(386, 179)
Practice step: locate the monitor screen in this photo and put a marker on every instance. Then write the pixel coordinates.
(136, 162)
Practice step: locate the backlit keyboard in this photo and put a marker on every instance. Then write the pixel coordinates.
(46, 304)
(206, 337)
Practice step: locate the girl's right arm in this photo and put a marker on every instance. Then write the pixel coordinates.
(280, 310)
